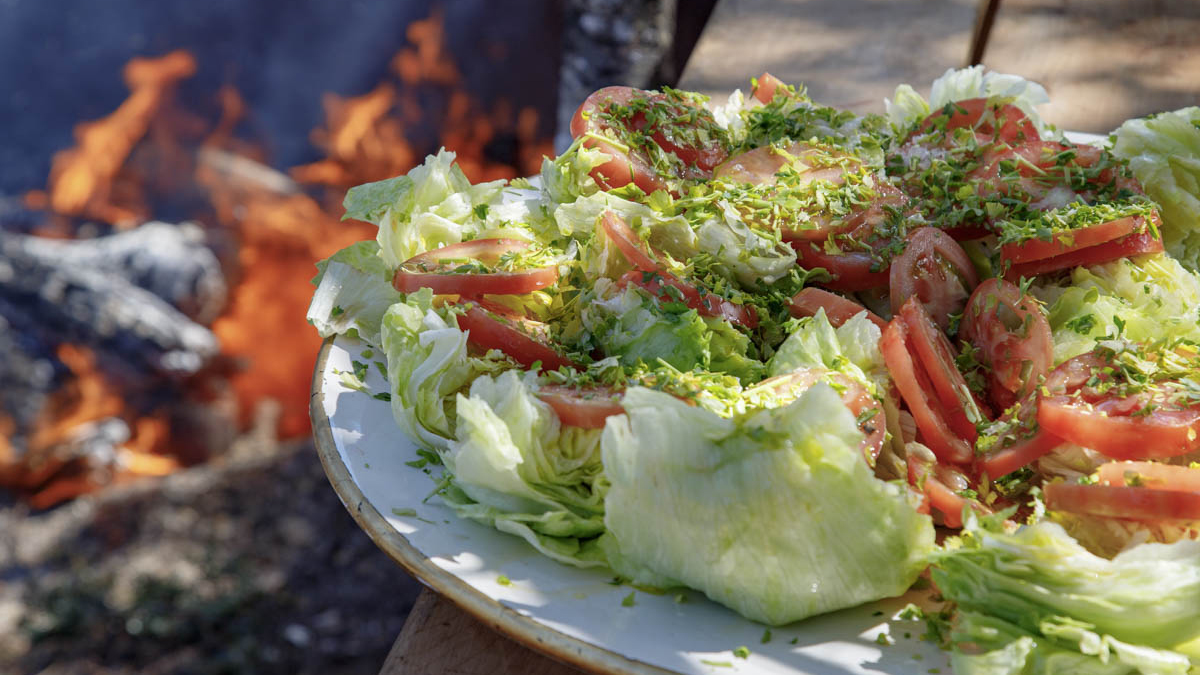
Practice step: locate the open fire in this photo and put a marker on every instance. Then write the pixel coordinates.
(192, 327)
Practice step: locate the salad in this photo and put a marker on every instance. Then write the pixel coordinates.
(795, 357)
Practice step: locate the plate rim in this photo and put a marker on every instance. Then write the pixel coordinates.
(492, 613)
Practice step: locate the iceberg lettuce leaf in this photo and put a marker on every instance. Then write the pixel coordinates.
(1164, 154)
(354, 289)
(1148, 595)
(754, 510)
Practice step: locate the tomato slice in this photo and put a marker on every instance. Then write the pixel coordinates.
(1129, 245)
(628, 242)
(1013, 338)
(667, 287)
(510, 335)
(1119, 501)
(935, 481)
(838, 310)
(915, 388)
(760, 165)
(990, 121)
(1150, 475)
(1143, 426)
(1019, 455)
(866, 410)
(622, 121)
(436, 270)
(936, 271)
(650, 275)
(850, 271)
(1066, 242)
(937, 359)
(586, 408)
(765, 87)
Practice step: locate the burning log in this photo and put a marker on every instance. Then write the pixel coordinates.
(170, 261)
(98, 293)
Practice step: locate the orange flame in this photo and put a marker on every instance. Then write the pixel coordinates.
(81, 178)
(149, 149)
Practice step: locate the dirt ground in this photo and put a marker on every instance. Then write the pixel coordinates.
(247, 565)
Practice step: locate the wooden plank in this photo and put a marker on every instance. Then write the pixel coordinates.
(1102, 61)
(849, 53)
(441, 639)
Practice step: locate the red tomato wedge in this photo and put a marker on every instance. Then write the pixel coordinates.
(991, 121)
(765, 87)
(1066, 242)
(916, 389)
(1119, 501)
(936, 271)
(1013, 338)
(513, 336)
(937, 359)
(1150, 475)
(1133, 244)
(586, 408)
(866, 410)
(935, 481)
(1143, 426)
(615, 120)
(851, 271)
(651, 275)
(436, 270)
(838, 310)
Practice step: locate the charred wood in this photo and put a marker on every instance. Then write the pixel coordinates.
(170, 261)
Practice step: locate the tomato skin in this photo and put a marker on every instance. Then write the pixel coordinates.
(633, 165)
(915, 388)
(838, 310)
(1133, 503)
(1018, 357)
(489, 331)
(1129, 245)
(1018, 455)
(583, 408)
(990, 122)
(1160, 435)
(427, 270)
(1153, 475)
(706, 304)
(765, 88)
(1066, 242)
(759, 166)
(932, 479)
(851, 271)
(628, 242)
(1111, 425)
(936, 357)
(936, 271)
(649, 274)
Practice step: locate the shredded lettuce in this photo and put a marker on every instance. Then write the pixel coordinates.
(631, 325)
(755, 511)
(1164, 154)
(1141, 299)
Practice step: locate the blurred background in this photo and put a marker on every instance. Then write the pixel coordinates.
(169, 174)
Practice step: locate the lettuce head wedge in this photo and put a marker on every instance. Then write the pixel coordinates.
(772, 513)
